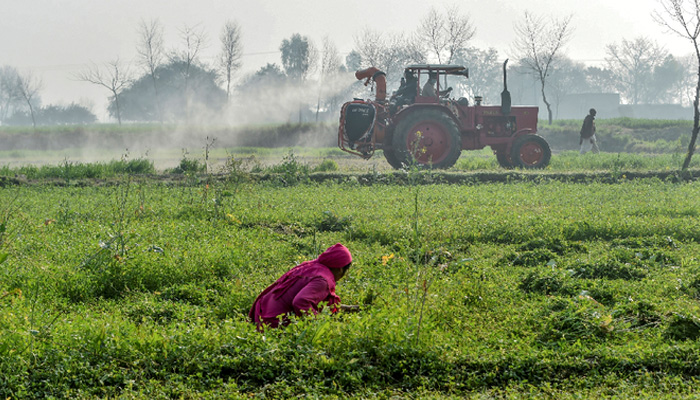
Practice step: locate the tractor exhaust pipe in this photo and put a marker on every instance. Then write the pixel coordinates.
(505, 94)
(374, 74)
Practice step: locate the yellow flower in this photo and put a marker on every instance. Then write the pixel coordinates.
(385, 259)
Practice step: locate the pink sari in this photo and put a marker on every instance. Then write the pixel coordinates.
(274, 300)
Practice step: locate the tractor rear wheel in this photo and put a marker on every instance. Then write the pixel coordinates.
(428, 139)
(531, 152)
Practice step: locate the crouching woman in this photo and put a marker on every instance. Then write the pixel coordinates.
(301, 289)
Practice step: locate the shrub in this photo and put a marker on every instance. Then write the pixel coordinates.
(326, 166)
(547, 284)
(683, 327)
(555, 245)
(692, 289)
(580, 319)
(292, 170)
(533, 258)
(332, 222)
(189, 166)
(608, 269)
(638, 314)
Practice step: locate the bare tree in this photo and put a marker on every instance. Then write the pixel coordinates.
(370, 46)
(194, 40)
(538, 46)
(231, 52)
(388, 52)
(431, 30)
(151, 54)
(330, 65)
(9, 92)
(633, 63)
(112, 76)
(445, 34)
(28, 86)
(683, 19)
(459, 31)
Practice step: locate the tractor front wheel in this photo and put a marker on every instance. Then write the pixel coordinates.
(504, 159)
(389, 152)
(428, 139)
(531, 152)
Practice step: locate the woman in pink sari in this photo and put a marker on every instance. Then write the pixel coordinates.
(302, 288)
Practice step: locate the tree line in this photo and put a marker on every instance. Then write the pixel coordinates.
(177, 85)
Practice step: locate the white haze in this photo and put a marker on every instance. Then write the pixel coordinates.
(54, 40)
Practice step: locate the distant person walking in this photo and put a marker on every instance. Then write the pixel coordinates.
(588, 140)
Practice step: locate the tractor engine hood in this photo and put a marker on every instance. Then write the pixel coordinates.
(379, 77)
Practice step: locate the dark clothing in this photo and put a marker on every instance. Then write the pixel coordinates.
(588, 128)
(407, 93)
(588, 140)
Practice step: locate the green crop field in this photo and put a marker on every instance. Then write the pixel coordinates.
(121, 279)
(135, 287)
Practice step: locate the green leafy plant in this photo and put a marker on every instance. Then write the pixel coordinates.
(326, 165)
(332, 222)
(542, 283)
(683, 327)
(189, 165)
(582, 318)
(292, 171)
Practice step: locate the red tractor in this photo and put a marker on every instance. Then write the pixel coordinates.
(432, 130)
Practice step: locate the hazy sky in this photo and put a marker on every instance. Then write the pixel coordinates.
(55, 39)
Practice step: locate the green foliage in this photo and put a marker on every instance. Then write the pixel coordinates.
(639, 315)
(534, 282)
(532, 258)
(623, 135)
(182, 85)
(189, 166)
(521, 289)
(326, 166)
(580, 319)
(70, 170)
(291, 170)
(608, 269)
(331, 222)
(683, 327)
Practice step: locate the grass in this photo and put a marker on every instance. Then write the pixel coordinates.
(141, 289)
(74, 170)
(265, 160)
